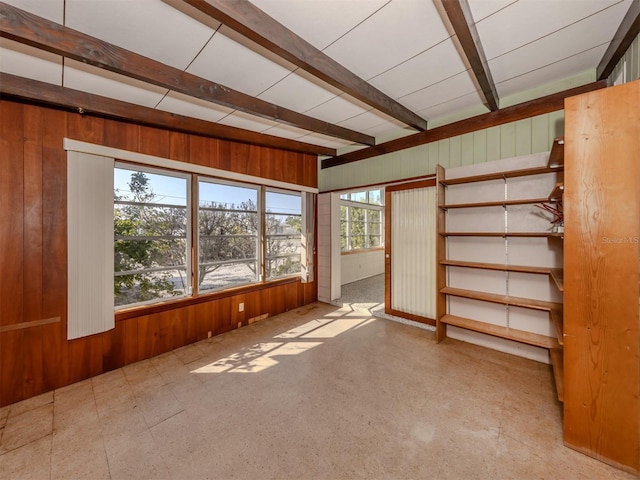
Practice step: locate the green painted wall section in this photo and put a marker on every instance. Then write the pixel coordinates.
(532, 135)
(632, 59)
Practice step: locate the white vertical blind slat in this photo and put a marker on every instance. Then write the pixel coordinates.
(90, 244)
(413, 252)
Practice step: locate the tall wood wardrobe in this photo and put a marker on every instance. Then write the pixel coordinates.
(601, 275)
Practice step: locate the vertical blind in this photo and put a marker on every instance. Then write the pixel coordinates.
(90, 244)
(413, 251)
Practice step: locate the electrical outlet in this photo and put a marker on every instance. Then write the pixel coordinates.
(209, 334)
(239, 324)
(241, 307)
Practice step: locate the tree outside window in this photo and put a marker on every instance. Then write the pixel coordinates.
(361, 216)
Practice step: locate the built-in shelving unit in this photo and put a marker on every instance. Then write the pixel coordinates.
(452, 268)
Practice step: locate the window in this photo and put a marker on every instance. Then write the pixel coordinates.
(228, 235)
(361, 217)
(151, 235)
(283, 220)
(243, 234)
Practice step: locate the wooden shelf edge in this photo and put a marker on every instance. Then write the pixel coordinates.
(558, 325)
(501, 175)
(556, 193)
(557, 275)
(529, 303)
(556, 156)
(557, 362)
(498, 266)
(498, 234)
(498, 203)
(501, 332)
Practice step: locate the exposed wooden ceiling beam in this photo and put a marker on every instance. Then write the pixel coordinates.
(14, 87)
(251, 22)
(24, 27)
(463, 24)
(539, 106)
(627, 32)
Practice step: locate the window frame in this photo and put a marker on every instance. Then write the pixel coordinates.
(349, 205)
(188, 290)
(193, 291)
(259, 229)
(266, 258)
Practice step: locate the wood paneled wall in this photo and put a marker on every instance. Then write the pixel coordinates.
(35, 356)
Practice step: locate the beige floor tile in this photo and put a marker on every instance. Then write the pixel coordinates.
(319, 392)
(31, 461)
(79, 453)
(32, 403)
(28, 426)
(135, 456)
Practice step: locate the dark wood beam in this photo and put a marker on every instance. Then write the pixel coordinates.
(25, 89)
(463, 24)
(44, 34)
(251, 22)
(627, 32)
(539, 106)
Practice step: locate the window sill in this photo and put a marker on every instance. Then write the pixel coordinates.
(140, 311)
(362, 250)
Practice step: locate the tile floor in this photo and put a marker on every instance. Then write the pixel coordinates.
(319, 392)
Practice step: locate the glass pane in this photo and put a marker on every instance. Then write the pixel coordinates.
(144, 287)
(359, 197)
(375, 228)
(227, 197)
(357, 214)
(283, 224)
(224, 248)
(145, 187)
(358, 241)
(216, 277)
(279, 267)
(343, 212)
(149, 221)
(374, 241)
(376, 197)
(343, 243)
(277, 246)
(150, 236)
(225, 222)
(343, 229)
(132, 255)
(374, 215)
(285, 203)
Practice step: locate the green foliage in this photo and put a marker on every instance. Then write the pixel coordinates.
(227, 235)
(143, 241)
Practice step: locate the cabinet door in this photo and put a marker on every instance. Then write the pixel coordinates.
(602, 226)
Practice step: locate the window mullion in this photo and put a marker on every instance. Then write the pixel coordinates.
(195, 236)
(262, 235)
(366, 226)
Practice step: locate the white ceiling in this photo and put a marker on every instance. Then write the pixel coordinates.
(405, 48)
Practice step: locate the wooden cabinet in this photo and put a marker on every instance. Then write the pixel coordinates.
(488, 223)
(601, 314)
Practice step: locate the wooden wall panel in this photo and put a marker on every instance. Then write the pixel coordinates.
(54, 245)
(11, 219)
(125, 136)
(32, 220)
(33, 365)
(33, 240)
